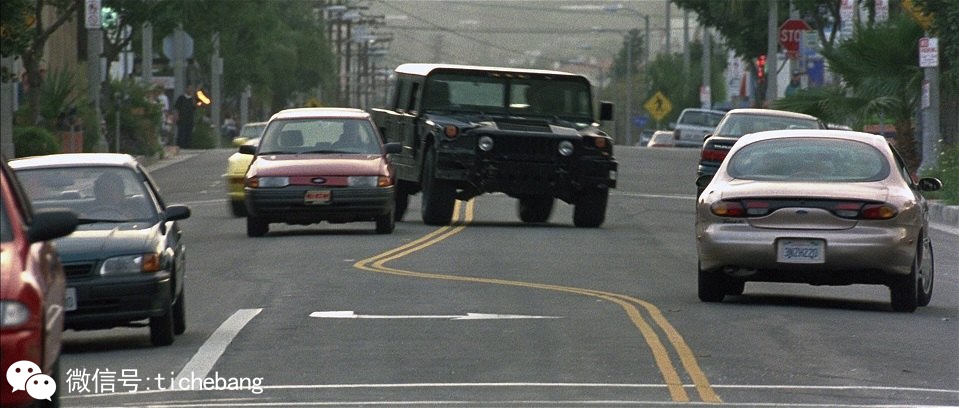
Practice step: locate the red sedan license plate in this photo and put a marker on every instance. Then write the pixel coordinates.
(317, 197)
(70, 302)
(810, 251)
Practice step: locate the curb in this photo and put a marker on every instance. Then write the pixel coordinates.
(944, 214)
(170, 155)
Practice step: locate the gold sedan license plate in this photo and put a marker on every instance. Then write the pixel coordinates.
(808, 251)
(317, 197)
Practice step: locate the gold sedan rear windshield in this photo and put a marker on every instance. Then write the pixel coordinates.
(809, 159)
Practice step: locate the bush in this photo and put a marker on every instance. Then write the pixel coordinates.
(139, 118)
(202, 135)
(34, 141)
(947, 170)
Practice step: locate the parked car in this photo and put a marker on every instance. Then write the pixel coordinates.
(662, 138)
(320, 164)
(127, 260)
(237, 165)
(825, 207)
(645, 136)
(739, 122)
(32, 288)
(693, 125)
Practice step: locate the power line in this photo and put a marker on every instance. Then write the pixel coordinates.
(545, 31)
(450, 31)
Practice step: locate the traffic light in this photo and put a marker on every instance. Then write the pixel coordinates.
(761, 67)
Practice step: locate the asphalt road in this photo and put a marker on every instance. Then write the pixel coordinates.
(491, 312)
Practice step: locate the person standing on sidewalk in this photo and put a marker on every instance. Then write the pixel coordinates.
(184, 109)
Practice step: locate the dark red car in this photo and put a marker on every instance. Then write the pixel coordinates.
(320, 164)
(32, 290)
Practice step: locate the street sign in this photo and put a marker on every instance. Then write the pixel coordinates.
(658, 106)
(790, 35)
(640, 121)
(169, 43)
(928, 52)
(92, 15)
(809, 45)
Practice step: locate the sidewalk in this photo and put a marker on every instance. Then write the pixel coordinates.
(171, 155)
(943, 216)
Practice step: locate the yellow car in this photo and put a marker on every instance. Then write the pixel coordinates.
(238, 164)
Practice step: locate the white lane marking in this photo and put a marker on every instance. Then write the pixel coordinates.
(205, 202)
(667, 196)
(525, 403)
(211, 350)
(349, 314)
(237, 402)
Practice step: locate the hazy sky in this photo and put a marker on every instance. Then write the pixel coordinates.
(519, 32)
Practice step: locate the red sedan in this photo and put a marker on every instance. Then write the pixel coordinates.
(320, 164)
(32, 292)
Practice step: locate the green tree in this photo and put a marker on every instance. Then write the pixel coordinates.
(880, 74)
(15, 22)
(277, 48)
(25, 34)
(666, 74)
(636, 54)
(131, 14)
(742, 23)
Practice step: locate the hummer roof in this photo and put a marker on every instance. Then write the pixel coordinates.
(425, 69)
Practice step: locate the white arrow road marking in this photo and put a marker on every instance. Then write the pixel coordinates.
(349, 314)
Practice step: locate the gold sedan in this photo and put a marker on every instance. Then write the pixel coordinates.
(237, 165)
(824, 207)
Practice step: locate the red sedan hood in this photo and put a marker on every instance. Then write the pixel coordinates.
(319, 164)
(750, 188)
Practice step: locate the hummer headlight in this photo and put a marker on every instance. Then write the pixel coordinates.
(485, 143)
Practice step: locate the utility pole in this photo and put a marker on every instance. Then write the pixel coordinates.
(686, 56)
(646, 51)
(94, 49)
(146, 62)
(6, 111)
(772, 51)
(216, 63)
(668, 33)
(629, 88)
(705, 93)
(930, 106)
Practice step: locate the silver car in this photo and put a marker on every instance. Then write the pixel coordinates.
(825, 207)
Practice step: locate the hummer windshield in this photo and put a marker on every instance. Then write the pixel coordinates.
(516, 95)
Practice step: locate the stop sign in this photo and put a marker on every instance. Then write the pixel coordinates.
(790, 34)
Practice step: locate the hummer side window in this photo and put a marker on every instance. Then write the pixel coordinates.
(414, 93)
(403, 95)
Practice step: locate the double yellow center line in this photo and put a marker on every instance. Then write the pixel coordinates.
(674, 383)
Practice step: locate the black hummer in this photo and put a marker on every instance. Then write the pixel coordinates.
(469, 130)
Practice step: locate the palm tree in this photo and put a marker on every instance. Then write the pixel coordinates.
(879, 73)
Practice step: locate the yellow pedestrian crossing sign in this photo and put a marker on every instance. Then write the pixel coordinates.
(658, 106)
